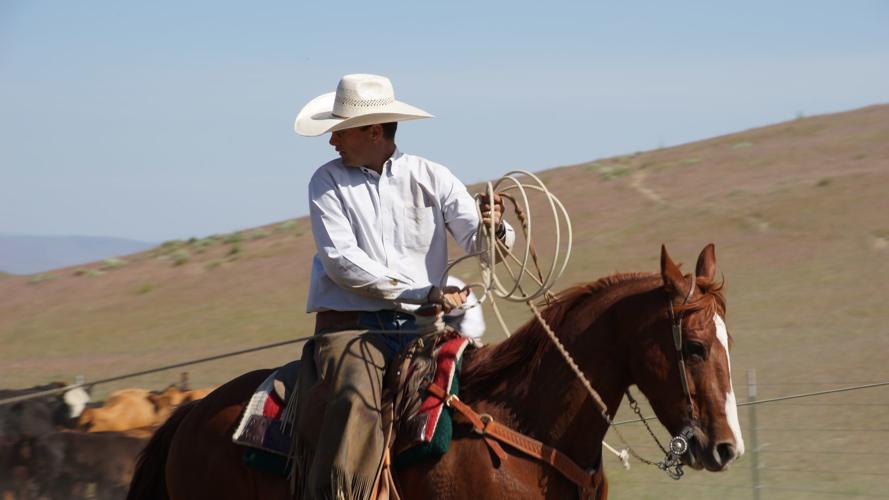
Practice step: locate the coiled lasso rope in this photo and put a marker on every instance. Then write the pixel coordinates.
(515, 187)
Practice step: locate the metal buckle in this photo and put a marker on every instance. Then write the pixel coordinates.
(486, 421)
(677, 334)
(678, 445)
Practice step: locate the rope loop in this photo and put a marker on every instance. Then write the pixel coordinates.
(515, 188)
(507, 274)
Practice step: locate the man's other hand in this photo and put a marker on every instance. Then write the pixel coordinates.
(487, 213)
(449, 297)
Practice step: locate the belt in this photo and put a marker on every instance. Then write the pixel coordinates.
(328, 321)
(336, 320)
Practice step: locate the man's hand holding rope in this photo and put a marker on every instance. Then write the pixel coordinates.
(491, 214)
(448, 298)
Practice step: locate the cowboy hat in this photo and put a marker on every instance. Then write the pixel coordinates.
(359, 100)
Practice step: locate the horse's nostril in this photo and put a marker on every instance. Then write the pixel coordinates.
(726, 452)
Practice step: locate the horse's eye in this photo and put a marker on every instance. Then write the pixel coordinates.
(695, 349)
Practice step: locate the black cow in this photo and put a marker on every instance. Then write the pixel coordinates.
(78, 465)
(22, 422)
(42, 414)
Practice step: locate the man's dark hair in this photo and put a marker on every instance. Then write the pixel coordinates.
(389, 129)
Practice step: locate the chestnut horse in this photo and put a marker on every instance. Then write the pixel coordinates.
(618, 330)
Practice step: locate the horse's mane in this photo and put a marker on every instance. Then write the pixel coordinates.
(530, 342)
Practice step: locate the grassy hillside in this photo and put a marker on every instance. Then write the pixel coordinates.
(798, 214)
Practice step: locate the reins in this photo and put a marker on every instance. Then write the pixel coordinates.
(672, 462)
(493, 432)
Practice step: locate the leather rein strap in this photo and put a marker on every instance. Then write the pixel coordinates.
(676, 322)
(490, 430)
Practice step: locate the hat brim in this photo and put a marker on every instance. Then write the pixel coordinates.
(317, 118)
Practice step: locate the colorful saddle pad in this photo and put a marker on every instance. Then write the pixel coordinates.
(424, 432)
(263, 425)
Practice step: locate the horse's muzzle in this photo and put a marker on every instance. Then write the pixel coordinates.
(704, 454)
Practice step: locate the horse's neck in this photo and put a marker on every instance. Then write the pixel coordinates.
(544, 398)
(560, 410)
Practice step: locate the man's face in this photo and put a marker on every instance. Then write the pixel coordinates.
(354, 145)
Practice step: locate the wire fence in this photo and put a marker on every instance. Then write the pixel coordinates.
(867, 385)
(240, 352)
(758, 488)
(848, 449)
(140, 373)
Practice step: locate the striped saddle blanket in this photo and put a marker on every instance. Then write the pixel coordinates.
(264, 424)
(424, 428)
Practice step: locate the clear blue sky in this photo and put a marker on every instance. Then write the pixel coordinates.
(162, 120)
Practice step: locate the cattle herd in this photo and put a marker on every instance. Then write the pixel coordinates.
(58, 445)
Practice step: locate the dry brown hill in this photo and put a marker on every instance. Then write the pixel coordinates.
(797, 211)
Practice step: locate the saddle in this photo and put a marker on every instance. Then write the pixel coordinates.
(420, 428)
(418, 398)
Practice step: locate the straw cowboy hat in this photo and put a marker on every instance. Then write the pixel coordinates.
(359, 100)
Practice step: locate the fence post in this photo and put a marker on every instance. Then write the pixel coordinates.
(754, 443)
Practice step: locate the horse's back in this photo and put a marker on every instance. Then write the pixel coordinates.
(203, 462)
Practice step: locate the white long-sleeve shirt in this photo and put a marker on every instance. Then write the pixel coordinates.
(381, 239)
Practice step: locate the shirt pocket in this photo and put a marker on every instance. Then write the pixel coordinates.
(419, 227)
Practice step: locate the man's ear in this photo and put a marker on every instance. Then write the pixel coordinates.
(376, 132)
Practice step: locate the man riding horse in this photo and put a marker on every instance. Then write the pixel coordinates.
(380, 219)
(532, 410)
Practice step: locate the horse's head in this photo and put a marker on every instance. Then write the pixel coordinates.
(708, 406)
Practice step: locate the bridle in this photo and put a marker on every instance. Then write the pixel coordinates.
(586, 479)
(679, 444)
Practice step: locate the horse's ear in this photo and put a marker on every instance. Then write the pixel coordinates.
(706, 267)
(672, 276)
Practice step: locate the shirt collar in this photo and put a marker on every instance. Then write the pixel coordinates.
(393, 160)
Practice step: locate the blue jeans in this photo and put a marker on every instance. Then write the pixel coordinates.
(390, 320)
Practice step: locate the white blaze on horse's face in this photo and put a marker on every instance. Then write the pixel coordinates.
(731, 407)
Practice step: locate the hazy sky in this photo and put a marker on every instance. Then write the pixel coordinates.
(161, 120)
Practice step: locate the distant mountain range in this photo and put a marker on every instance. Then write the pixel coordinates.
(26, 254)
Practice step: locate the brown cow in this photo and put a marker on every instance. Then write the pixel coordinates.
(197, 394)
(136, 408)
(172, 397)
(123, 410)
